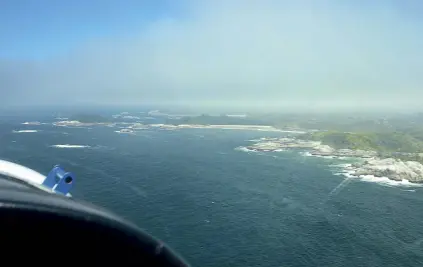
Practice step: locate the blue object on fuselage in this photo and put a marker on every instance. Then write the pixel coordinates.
(59, 181)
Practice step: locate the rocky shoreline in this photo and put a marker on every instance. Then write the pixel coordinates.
(371, 164)
(391, 168)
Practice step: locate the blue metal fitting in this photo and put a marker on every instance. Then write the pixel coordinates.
(59, 181)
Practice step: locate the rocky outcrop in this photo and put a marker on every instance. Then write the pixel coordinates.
(314, 147)
(394, 169)
(325, 150)
(391, 168)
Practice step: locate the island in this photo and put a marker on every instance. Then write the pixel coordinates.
(89, 118)
(206, 119)
(85, 120)
(228, 122)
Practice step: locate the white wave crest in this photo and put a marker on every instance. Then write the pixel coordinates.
(342, 165)
(387, 181)
(244, 149)
(26, 131)
(31, 123)
(70, 146)
(380, 180)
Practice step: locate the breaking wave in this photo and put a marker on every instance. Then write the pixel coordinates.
(244, 149)
(347, 172)
(32, 123)
(70, 146)
(26, 131)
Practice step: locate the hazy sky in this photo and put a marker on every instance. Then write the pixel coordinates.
(274, 54)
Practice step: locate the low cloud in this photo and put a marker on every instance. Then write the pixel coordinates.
(272, 54)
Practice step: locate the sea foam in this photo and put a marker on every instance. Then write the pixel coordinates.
(70, 146)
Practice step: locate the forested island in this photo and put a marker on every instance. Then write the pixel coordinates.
(90, 118)
(206, 119)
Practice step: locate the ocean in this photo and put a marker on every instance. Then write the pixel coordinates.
(221, 206)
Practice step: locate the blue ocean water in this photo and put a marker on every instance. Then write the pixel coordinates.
(219, 206)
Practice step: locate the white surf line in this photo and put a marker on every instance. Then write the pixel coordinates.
(70, 146)
(25, 131)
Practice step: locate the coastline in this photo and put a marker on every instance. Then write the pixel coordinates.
(140, 126)
(369, 164)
